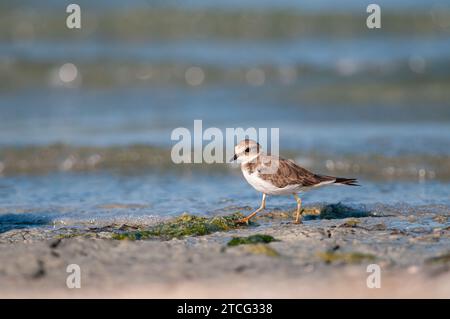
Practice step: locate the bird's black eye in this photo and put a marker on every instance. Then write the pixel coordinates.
(247, 150)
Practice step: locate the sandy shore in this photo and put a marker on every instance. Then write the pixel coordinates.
(320, 258)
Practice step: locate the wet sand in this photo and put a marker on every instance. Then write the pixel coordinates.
(320, 258)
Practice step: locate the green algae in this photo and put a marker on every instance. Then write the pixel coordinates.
(350, 223)
(262, 249)
(255, 244)
(253, 239)
(337, 211)
(182, 226)
(346, 257)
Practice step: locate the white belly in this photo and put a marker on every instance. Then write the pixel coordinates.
(265, 187)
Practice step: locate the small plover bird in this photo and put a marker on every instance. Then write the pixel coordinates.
(272, 175)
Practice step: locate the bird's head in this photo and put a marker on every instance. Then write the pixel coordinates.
(246, 151)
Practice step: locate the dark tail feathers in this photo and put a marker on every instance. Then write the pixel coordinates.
(346, 181)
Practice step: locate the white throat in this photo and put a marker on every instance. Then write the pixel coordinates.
(251, 159)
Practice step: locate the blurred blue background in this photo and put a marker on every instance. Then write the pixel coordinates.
(86, 115)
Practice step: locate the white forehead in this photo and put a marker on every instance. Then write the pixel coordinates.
(244, 144)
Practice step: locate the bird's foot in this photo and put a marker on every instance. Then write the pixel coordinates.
(243, 221)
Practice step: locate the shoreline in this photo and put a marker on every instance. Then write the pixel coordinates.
(319, 258)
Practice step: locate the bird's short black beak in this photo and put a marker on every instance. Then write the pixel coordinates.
(233, 158)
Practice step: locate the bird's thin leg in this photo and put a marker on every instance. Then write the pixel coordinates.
(299, 207)
(263, 206)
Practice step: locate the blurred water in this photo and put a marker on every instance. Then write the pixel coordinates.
(148, 116)
(316, 52)
(348, 101)
(233, 4)
(104, 198)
